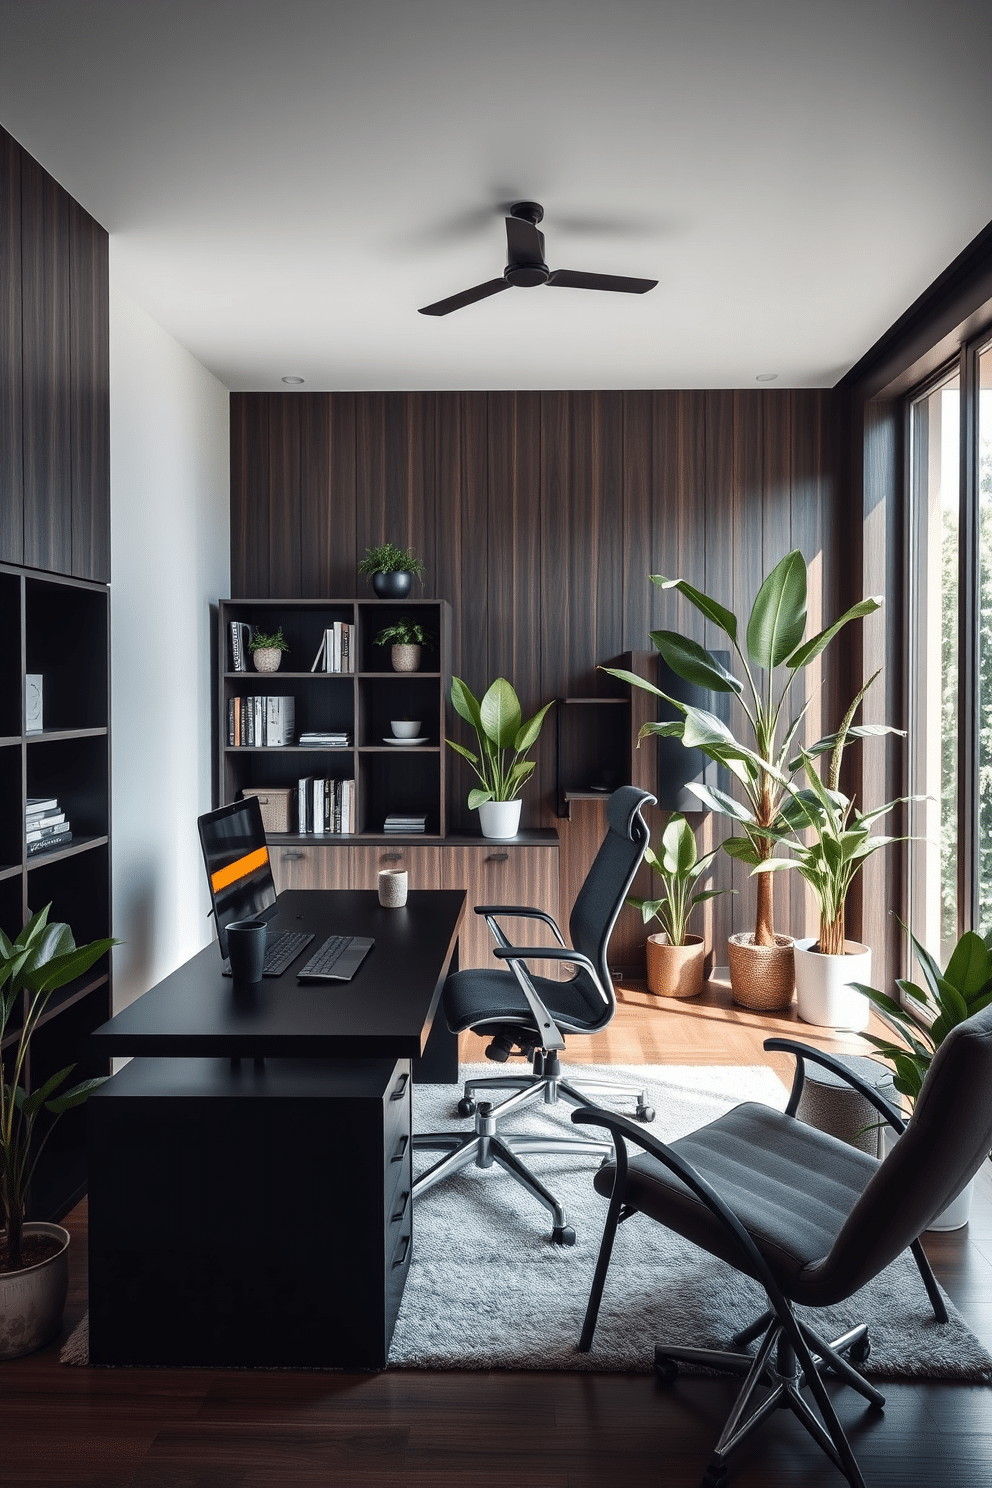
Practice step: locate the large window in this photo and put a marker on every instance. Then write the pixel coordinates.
(950, 651)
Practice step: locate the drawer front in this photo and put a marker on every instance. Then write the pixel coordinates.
(423, 864)
(503, 874)
(311, 868)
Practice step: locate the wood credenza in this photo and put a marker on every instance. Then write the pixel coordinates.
(522, 871)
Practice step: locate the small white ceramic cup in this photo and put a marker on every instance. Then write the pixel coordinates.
(392, 887)
(403, 729)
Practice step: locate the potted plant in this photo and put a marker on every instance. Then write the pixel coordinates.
(761, 962)
(842, 842)
(391, 569)
(266, 650)
(500, 764)
(406, 638)
(34, 1263)
(924, 1019)
(675, 958)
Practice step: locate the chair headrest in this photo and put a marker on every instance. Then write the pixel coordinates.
(623, 810)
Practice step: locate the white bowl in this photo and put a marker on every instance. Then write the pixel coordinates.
(404, 729)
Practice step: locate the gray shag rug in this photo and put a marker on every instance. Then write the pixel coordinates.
(487, 1289)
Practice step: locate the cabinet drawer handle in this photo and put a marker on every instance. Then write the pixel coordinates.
(401, 1147)
(497, 857)
(392, 857)
(404, 1249)
(399, 1213)
(292, 857)
(400, 1090)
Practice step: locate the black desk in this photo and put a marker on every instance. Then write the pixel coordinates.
(250, 1169)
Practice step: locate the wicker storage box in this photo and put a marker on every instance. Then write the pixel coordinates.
(276, 803)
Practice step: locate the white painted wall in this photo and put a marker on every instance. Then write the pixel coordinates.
(170, 565)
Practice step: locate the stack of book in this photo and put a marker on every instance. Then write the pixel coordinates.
(335, 653)
(45, 825)
(260, 722)
(240, 636)
(314, 739)
(325, 805)
(408, 825)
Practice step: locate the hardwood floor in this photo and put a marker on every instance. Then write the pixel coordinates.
(163, 1428)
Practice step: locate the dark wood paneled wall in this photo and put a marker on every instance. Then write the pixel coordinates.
(54, 375)
(540, 516)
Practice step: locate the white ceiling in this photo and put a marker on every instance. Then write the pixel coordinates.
(286, 182)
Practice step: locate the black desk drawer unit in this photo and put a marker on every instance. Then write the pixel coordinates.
(247, 1213)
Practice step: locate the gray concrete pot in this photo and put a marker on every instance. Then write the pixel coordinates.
(32, 1301)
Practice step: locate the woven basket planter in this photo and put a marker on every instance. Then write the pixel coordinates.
(762, 978)
(675, 971)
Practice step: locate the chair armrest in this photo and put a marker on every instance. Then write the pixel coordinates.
(803, 1052)
(519, 911)
(550, 953)
(621, 1127)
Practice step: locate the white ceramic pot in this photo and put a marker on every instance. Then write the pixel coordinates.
(500, 819)
(32, 1301)
(267, 658)
(824, 995)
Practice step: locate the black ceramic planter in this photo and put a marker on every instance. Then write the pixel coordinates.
(392, 585)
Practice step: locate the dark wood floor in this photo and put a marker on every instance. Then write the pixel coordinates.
(88, 1428)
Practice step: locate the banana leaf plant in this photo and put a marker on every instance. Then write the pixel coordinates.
(929, 1013)
(680, 867)
(770, 660)
(42, 958)
(842, 840)
(504, 740)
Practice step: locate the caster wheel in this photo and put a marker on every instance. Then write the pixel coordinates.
(859, 1351)
(466, 1106)
(645, 1113)
(715, 1477)
(563, 1235)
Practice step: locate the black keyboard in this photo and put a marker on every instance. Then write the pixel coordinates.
(337, 959)
(280, 951)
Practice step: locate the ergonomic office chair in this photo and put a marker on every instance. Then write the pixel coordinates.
(809, 1217)
(532, 1013)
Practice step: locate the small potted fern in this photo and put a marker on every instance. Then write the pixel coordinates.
(266, 650)
(392, 570)
(405, 638)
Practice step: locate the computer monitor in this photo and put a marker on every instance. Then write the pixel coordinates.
(236, 858)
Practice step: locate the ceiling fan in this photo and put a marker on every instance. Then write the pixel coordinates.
(526, 268)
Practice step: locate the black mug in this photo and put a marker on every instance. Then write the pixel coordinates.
(246, 949)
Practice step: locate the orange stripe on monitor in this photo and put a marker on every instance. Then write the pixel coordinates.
(239, 869)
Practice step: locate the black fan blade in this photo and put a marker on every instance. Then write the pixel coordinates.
(467, 297)
(565, 279)
(525, 245)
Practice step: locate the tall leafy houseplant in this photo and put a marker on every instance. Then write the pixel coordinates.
(842, 840)
(771, 659)
(42, 958)
(680, 867)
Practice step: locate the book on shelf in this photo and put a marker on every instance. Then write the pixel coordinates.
(43, 819)
(318, 661)
(35, 804)
(54, 827)
(407, 824)
(240, 636)
(261, 722)
(325, 806)
(314, 739)
(49, 844)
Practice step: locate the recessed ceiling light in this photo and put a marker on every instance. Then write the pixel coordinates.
(292, 379)
(761, 377)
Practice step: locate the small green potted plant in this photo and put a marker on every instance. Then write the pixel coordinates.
(33, 1255)
(405, 637)
(266, 650)
(924, 1019)
(675, 958)
(841, 843)
(392, 570)
(500, 764)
